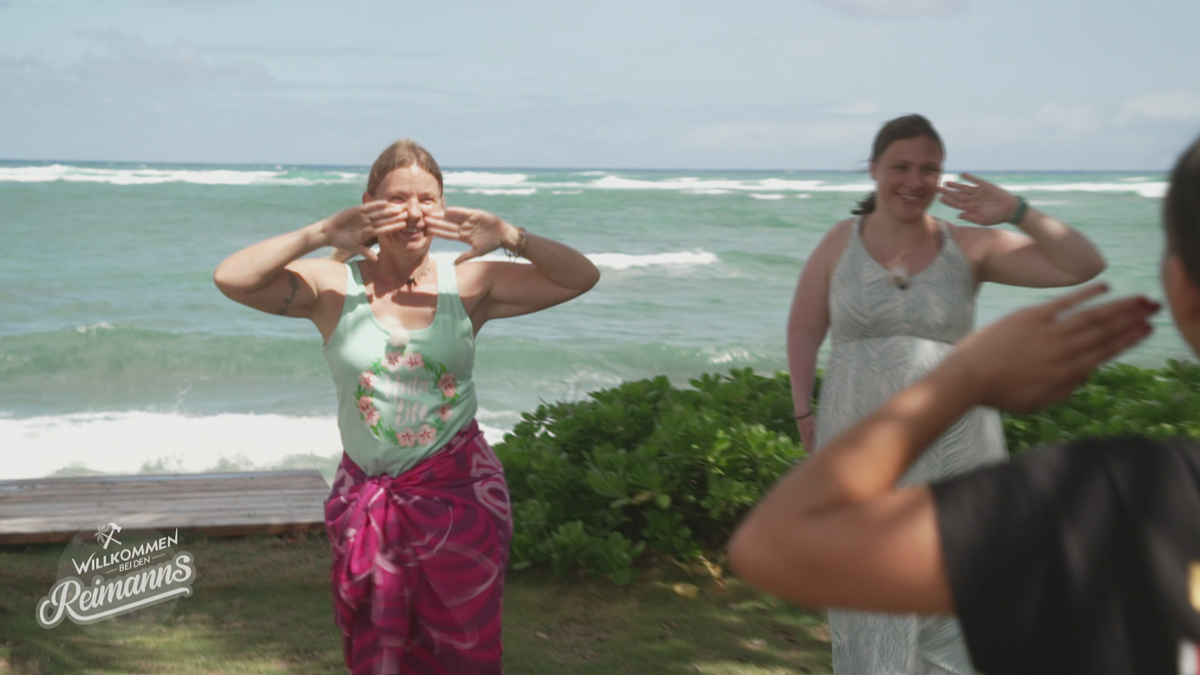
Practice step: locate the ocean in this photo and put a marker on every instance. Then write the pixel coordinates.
(118, 355)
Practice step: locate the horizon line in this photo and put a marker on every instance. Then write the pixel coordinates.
(366, 167)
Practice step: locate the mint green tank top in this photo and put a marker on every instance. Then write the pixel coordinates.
(401, 395)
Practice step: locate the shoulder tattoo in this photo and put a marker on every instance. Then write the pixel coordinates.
(294, 284)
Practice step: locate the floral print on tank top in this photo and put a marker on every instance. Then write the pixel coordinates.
(404, 375)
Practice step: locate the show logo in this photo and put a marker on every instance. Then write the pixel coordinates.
(136, 578)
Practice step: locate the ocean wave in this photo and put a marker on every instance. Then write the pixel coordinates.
(482, 179)
(623, 261)
(154, 442)
(768, 197)
(1149, 189)
(612, 261)
(156, 176)
(520, 192)
(694, 185)
(107, 355)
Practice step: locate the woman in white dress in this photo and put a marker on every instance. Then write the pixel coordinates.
(896, 288)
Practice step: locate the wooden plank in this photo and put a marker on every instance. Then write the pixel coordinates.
(93, 504)
(165, 484)
(56, 509)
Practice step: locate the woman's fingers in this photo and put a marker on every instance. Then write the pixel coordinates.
(1097, 334)
(379, 205)
(955, 187)
(976, 179)
(367, 253)
(389, 227)
(473, 253)
(460, 214)
(444, 229)
(1029, 358)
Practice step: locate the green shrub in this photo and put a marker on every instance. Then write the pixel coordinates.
(1118, 400)
(647, 471)
(645, 468)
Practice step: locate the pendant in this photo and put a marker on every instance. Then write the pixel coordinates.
(900, 277)
(399, 338)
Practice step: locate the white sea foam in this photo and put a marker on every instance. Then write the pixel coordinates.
(156, 176)
(103, 325)
(730, 355)
(1149, 189)
(611, 261)
(482, 179)
(126, 442)
(767, 197)
(695, 185)
(502, 191)
(622, 261)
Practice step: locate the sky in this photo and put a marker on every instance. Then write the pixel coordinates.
(633, 84)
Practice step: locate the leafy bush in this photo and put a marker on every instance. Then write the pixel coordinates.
(645, 468)
(648, 471)
(1118, 400)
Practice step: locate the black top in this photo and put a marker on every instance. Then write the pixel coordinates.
(1076, 559)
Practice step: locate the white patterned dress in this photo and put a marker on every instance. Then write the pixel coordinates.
(884, 338)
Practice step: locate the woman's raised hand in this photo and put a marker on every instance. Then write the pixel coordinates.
(354, 228)
(981, 202)
(484, 232)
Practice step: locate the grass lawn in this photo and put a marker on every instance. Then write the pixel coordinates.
(261, 605)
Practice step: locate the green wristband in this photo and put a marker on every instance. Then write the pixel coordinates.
(1019, 214)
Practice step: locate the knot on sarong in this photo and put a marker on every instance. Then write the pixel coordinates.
(429, 545)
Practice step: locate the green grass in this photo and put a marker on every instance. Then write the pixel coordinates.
(262, 605)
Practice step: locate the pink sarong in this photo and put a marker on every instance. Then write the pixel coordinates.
(419, 562)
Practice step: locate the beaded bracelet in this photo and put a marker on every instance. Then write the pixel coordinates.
(518, 251)
(1019, 214)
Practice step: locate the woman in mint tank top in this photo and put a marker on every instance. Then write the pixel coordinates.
(418, 517)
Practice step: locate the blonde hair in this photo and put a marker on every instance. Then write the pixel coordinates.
(402, 153)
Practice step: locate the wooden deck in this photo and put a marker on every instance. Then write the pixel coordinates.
(56, 509)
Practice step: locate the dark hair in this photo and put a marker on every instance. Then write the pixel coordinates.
(1181, 211)
(899, 129)
(398, 155)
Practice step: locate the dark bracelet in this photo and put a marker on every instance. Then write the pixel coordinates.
(800, 417)
(1019, 212)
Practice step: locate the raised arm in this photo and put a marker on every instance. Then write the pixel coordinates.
(269, 276)
(836, 532)
(557, 272)
(1048, 253)
(808, 321)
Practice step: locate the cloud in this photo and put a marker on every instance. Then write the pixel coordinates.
(1175, 105)
(1058, 120)
(127, 60)
(898, 7)
(1050, 122)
